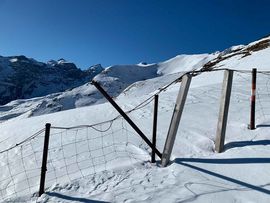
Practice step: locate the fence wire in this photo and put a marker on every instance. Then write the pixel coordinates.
(82, 151)
(204, 103)
(79, 151)
(241, 94)
(20, 167)
(74, 152)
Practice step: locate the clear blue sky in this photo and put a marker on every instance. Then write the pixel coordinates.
(112, 32)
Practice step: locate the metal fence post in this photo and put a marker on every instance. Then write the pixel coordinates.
(126, 117)
(44, 159)
(253, 100)
(154, 138)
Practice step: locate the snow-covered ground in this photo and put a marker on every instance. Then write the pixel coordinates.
(110, 163)
(115, 79)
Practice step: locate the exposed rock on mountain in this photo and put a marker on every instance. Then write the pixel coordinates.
(22, 77)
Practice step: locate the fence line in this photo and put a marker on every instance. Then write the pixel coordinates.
(83, 150)
(20, 167)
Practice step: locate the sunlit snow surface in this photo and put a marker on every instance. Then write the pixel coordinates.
(196, 173)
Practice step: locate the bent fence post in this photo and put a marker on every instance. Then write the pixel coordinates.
(125, 116)
(178, 110)
(44, 159)
(154, 137)
(223, 110)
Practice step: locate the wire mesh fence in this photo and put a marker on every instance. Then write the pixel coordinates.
(241, 98)
(74, 152)
(198, 129)
(20, 167)
(79, 151)
(263, 98)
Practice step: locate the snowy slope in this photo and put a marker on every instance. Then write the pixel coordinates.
(185, 63)
(196, 174)
(114, 79)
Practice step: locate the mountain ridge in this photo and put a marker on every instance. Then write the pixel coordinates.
(125, 79)
(24, 78)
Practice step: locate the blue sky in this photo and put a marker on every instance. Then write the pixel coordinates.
(112, 32)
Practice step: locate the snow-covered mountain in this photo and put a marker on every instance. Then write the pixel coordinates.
(196, 173)
(242, 56)
(22, 77)
(115, 79)
(56, 76)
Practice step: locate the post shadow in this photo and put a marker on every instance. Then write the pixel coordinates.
(256, 160)
(237, 144)
(263, 126)
(239, 182)
(70, 198)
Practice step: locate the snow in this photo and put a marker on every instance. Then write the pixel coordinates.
(195, 174)
(13, 60)
(114, 79)
(255, 61)
(184, 63)
(232, 49)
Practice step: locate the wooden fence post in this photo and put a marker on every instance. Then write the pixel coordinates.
(223, 110)
(253, 100)
(44, 159)
(178, 110)
(154, 137)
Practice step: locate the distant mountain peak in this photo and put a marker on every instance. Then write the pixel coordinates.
(59, 61)
(26, 80)
(30, 78)
(51, 62)
(95, 67)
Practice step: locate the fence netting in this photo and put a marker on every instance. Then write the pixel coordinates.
(263, 98)
(79, 151)
(20, 167)
(74, 152)
(197, 130)
(240, 104)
